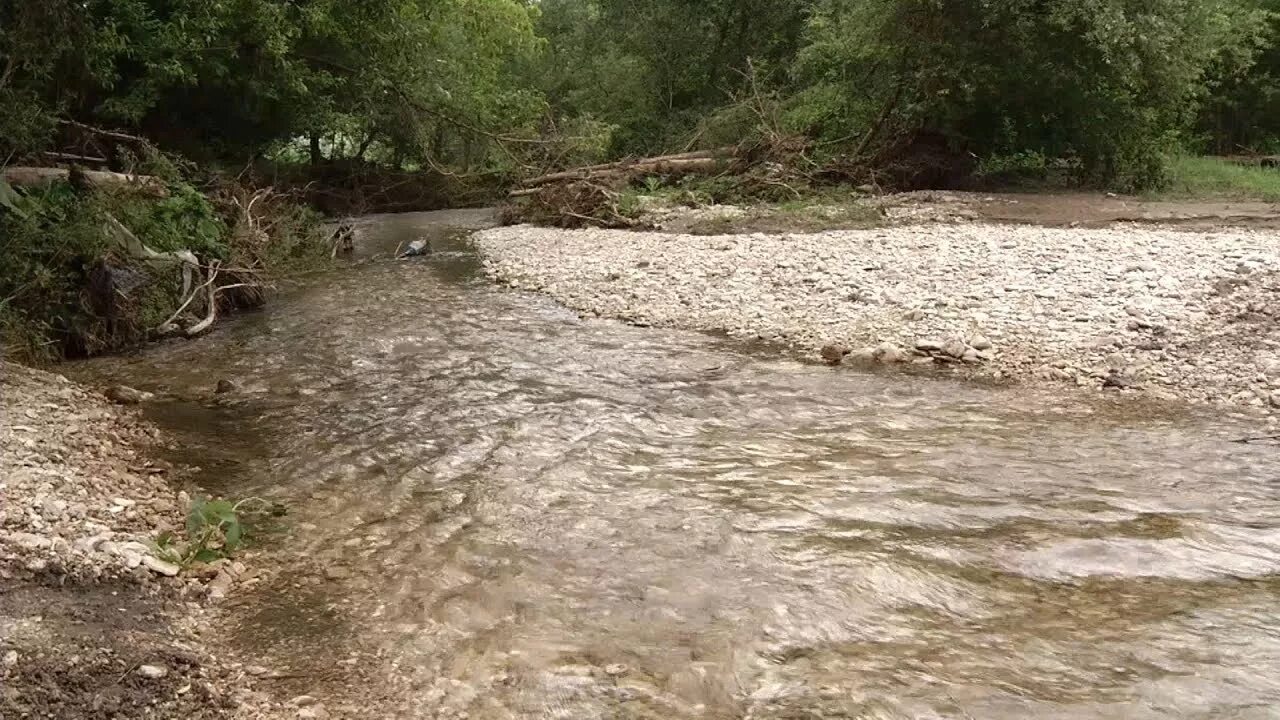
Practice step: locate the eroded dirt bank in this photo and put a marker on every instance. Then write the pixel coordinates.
(1174, 313)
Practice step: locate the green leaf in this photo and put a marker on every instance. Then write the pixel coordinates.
(207, 555)
(232, 540)
(9, 199)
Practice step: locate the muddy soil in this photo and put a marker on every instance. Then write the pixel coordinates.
(92, 652)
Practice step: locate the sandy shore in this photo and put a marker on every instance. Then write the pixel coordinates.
(1172, 313)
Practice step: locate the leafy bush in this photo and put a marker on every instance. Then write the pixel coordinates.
(214, 529)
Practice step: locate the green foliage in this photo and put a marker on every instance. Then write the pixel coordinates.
(185, 220)
(1106, 88)
(49, 239)
(413, 79)
(214, 529)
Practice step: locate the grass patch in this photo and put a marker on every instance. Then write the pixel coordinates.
(1215, 178)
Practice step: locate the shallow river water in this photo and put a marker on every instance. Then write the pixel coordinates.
(529, 515)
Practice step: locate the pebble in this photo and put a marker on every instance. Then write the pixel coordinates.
(159, 566)
(152, 672)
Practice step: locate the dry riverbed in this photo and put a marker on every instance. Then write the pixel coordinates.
(1173, 313)
(92, 623)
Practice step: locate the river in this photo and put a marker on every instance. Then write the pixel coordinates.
(512, 512)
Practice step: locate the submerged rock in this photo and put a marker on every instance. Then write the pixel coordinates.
(834, 354)
(125, 395)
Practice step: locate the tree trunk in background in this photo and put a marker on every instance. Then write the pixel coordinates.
(316, 157)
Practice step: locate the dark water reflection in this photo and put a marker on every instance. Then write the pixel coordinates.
(537, 516)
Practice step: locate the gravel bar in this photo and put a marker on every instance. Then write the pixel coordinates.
(1172, 313)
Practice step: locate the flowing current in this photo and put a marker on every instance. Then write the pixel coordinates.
(510, 512)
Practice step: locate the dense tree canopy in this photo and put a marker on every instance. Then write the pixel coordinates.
(1107, 87)
(225, 78)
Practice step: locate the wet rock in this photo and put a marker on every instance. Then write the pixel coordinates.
(226, 386)
(314, 712)
(125, 395)
(863, 357)
(616, 670)
(889, 354)
(929, 345)
(972, 356)
(416, 248)
(1118, 381)
(955, 349)
(834, 354)
(153, 672)
(303, 701)
(980, 342)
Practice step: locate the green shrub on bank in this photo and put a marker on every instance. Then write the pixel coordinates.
(61, 266)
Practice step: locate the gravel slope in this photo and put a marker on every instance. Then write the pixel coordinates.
(1179, 314)
(92, 624)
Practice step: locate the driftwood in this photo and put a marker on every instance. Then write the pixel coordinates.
(74, 158)
(123, 137)
(703, 161)
(34, 176)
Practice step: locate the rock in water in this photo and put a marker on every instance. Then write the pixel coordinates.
(125, 395)
(416, 248)
(225, 386)
(834, 354)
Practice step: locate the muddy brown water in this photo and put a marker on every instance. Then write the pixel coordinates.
(530, 515)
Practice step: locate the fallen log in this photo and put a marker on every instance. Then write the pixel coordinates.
(686, 162)
(123, 137)
(663, 167)
(36, 176)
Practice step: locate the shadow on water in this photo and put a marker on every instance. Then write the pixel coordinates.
(506, 511)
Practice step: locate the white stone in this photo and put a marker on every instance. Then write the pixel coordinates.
(159, 566)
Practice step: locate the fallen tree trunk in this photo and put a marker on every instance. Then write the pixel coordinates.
(702, 160)
(36, 176)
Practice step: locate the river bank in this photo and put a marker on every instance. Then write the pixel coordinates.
(1171, 313)
(92, 622)
(498, 509)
